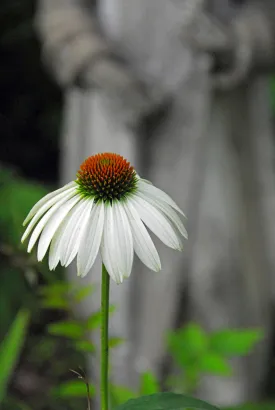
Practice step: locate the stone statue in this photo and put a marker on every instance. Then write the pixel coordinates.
(180, 88)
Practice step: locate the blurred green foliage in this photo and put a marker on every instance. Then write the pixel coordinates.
(197, 353)
(17, 196)
(10, 349)
(18, 269)
(148, 385)
(25, 284)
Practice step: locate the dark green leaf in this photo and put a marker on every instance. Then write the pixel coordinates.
(165, 401)
(44, 348)
(15, 404)
(17, 197)
(272, 93)
(10, 349)
(254, 406)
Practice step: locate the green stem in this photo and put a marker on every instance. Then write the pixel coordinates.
(105, 284)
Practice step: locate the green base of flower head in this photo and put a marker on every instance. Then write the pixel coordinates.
(108, 194)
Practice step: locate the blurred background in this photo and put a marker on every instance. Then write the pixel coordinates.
(41, 336)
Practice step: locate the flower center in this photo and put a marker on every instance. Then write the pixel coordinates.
(106, 177)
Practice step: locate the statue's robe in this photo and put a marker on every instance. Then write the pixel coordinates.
(212, 151)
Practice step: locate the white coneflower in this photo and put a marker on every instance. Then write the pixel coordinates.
(104, 209)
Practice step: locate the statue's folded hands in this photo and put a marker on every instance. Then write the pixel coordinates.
(239, 49)
(128, 98)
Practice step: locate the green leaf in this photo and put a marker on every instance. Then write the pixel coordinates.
(187, 344)
(253, 406)
(10, 349)
(17, 198)
(235, 342)
(55, 302)
(120, 394)
(73, 388)
(112, 309)
(115, 341)
(57, 289)
(68, 328)
(165, 401)
(215, 364)
(44, 349)
(94, 320)
(13, 294)
(82, 293)
(85, 346)
(272, 93)
(15, 404)
(148, 384)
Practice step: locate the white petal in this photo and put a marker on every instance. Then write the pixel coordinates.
(75, 232)
(45, 199)
(54, 252)
(167, 210)
(51, 227)
(143, 244)
(109, 246)
(157, 222)
(157, 193)
(43, 221)
(44, 208)
(62, 234)
(125, 249)
(91, 240)
(145, 180)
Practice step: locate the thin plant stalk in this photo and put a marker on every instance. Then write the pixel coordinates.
(105, 285)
